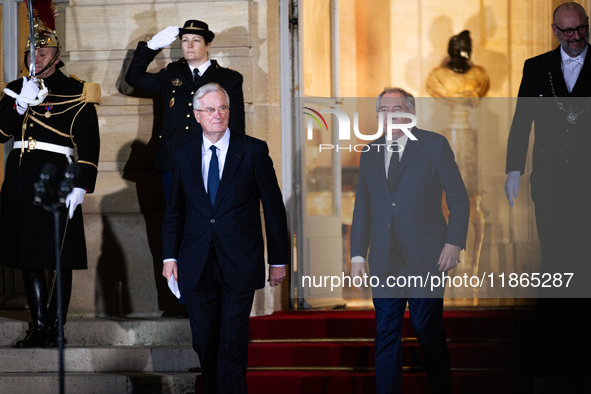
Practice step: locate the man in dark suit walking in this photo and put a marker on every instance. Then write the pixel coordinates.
(213, 227)
(177, 83)
(555, 96)
(398, 216)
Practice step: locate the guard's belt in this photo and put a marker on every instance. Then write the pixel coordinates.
(31, 144)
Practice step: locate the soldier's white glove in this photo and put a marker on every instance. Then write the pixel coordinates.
(74, 199)
(29, 91)
(164, 38)
(512, 185)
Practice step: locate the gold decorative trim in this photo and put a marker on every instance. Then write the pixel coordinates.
(92, 93)
(78, 99)
(49, 127)
(76, 78)
(87, 162)
(78, 102)
(4, 134)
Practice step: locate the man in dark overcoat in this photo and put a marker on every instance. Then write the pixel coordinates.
(555, 98)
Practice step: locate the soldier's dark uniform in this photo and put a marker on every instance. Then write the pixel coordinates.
(561, 174)
(65, 119)
(561, 191)
(175, 83)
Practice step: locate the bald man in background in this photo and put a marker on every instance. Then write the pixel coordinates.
(555, 97)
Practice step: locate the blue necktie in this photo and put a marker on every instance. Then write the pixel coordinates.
(213, 177)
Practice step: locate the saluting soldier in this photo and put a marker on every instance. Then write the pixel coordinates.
(178, 82)
(61, 130)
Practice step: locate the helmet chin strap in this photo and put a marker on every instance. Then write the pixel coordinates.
(51, 63)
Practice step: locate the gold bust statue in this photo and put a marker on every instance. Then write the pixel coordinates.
(459, 78)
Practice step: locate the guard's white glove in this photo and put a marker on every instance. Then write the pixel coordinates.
(512, 185)
(74, 199)
(29, 91)
(164, 38)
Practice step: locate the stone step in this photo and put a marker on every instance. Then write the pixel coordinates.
(106, 332)
(98, 383)
(99, 359)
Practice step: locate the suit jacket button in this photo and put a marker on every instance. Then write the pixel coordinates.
(393, 204)
(188, 116)
(187, 128)
(212, 220)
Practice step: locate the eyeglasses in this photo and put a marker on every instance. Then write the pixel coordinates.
(210, 111)
(583, 29)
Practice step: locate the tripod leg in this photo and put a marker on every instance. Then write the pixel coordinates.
(66, 295)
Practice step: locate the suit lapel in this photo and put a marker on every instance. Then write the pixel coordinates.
(185, 72)
(233, 160)
(210, 75)
(380, 161)
(410, 151)
(582, 86)
(554, 66)
(195, 148)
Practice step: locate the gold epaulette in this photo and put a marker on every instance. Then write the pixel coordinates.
(2, 86)
(76, 78)
(92, 92)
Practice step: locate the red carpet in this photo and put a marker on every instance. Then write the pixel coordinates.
(333, 352)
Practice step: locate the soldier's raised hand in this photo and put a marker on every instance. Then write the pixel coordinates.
(164, 38)
(29, 93)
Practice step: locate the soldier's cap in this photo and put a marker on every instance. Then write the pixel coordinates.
(193, 26)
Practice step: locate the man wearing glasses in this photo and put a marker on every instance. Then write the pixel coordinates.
(212, 226)
(177, 83)
(555, 96)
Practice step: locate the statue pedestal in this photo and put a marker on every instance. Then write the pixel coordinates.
(464, 144)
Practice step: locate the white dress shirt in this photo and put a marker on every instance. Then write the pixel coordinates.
(388, 151)
(221, 151)
(202, 68)
(571, 67)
